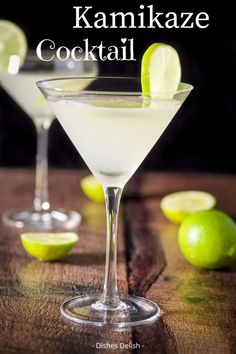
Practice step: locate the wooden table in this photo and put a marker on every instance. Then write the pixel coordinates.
(198, 307)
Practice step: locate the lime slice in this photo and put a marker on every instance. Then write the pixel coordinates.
(177, 206)
(161, 71)
(207, 239)
(48, 246)
(92, 188)
(13, 45)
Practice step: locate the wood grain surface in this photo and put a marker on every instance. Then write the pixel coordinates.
(198, 308)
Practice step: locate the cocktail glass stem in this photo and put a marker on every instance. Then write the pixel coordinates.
(41, 199)
(112, 198)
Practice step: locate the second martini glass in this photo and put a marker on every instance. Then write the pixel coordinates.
(21, 87)
(113, 127)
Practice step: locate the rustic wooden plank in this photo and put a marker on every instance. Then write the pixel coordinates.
(31, 291)
(198, 307)
(145, 256)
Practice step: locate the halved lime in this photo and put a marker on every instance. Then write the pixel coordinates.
(161, 71)
(48, 246)
(13, 42)
(92, 188)
(177, 206)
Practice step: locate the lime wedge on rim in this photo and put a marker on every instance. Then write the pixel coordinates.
(12, 42)
(177, 206)
(161, 71)
(48, 246)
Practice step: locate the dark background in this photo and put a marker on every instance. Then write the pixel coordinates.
(201, 137)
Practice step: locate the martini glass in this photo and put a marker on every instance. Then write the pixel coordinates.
(113, 127)
(21, 87)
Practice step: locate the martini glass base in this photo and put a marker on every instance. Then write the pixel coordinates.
(130, 311)
(45, 219)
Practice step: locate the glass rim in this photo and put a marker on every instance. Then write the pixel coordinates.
(41, 85)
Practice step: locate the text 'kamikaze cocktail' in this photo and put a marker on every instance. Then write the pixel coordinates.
(113, 123)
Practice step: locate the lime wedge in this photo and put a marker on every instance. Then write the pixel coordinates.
(177, 206)
(48, 246)
(161, 71)
(92, 188)
(13, 45)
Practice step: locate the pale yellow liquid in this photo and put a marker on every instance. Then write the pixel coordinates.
(113, 137)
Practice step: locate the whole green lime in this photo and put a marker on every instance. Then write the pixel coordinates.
(207, 239)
